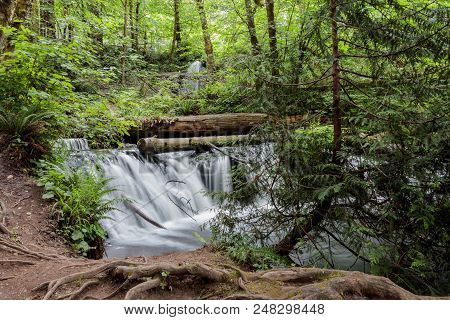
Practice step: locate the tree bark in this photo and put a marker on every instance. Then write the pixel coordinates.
(209, 50)
(213, 124)
(337, 125)
(124, 46)
(131, 20)
(176, 28)
(136, 25)
(22, 13)
(272, 31)
(250, 15)
(48, 27)
(13, 14)
(155, 145)
(300, 231)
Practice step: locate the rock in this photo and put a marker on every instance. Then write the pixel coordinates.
(9, 177)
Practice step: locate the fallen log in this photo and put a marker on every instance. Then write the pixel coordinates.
(156, 145)
(211, 124)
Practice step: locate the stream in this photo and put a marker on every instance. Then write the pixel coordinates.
(173, 190)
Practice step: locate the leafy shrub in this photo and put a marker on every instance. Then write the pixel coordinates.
(244, 250)
(24, 131)
(81, 204)
(91, 118)
(41, 80)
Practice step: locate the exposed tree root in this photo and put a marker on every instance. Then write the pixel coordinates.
(52, 286)
(73, 295)
(7, 278)
(18, 248)
(3, 213)
(20, 200)
(226, 282)
(4, 230)
(142, 287)
(24, 262)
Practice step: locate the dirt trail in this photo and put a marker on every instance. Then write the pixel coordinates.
(36, 263)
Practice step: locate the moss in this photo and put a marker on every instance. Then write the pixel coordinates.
(269, 288)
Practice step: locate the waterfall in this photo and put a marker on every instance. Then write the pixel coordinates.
(192, 81)
(73, 144)
(170, 188)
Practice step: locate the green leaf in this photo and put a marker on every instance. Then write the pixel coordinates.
(48, 195)
(77, 235)
(83, 246)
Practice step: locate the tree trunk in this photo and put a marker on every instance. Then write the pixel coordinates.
(250, 14)
(336, 82)
(136, 25)
(131, 21)
(48, 28)
(176, 28)
(13, 14)
(299, 231)
(272, 31)
(206, 36)
(124, 46)
(22, 13)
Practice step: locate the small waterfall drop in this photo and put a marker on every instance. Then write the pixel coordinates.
(73, 144)
(192, 81)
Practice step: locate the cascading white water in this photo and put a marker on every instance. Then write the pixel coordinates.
(73, 144)
(172, 190)
(192, 82)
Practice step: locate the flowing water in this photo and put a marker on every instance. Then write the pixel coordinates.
(192, 82)
(172, 189)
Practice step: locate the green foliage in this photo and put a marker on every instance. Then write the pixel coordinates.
(40, 97)
(94, 120)
(244, 250)
(25, 131)
(80, 197)
(385, 198)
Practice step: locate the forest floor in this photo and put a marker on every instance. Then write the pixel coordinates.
(36, 263)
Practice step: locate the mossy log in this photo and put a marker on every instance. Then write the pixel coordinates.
(212, 124)
(156, 145)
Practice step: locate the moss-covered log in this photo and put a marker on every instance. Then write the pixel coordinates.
(212, 124)
(155, 145)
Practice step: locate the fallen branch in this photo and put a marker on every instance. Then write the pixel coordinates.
(156, 145)
(226, 153)
(141, 214)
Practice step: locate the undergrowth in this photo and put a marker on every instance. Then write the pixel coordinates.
(80, 196)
